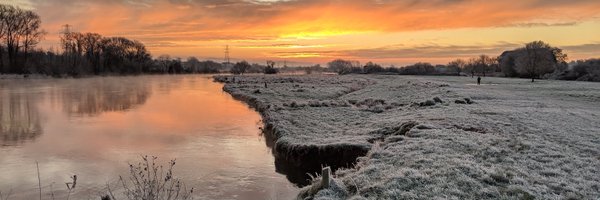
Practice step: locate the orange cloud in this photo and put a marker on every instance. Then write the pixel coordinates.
(186, 28)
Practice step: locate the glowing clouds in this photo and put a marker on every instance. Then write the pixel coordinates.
(256, 29)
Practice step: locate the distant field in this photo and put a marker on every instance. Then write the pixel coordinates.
(436, 137)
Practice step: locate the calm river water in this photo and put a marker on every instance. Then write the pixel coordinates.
(94, 127)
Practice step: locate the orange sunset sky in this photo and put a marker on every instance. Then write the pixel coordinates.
(316, 31)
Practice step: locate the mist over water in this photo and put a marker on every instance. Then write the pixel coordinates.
(94, 127)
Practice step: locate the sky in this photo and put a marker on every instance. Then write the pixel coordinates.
(390, 32)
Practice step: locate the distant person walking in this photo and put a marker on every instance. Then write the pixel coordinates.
(479, 80)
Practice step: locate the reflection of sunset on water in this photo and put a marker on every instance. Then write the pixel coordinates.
(93, 128)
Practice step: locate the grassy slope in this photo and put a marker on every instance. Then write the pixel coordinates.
(518, 140)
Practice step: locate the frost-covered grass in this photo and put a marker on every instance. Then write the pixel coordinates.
(438, 137)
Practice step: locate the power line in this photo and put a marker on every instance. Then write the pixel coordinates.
(66, 29)
(227, 54)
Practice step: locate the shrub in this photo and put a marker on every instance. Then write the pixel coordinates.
(146, 182)
(240, 67)
(270, 69)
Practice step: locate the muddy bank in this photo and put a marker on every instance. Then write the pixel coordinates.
(298, 161)
(431, 137)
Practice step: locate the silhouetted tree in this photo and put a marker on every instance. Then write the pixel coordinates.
(20, 32)
(471, 66)
(92, 46)
(163, 62)
(583, 70)
(76, 50)
(211, 67)
(482, 64)
(371, 67)
(340, 66)
(125, 56)
(312, 69)
(485, 64)
(176, 67)
(240, 67)
(192, 65)
(532, 61)
(3, 31)
(256, 68)
(83, 53)
(419, 68)
(507, 62)
(457, 66)
(539, 58)
(393, 69)
(270, 68)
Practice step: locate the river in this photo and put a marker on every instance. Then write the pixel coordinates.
(95, 127)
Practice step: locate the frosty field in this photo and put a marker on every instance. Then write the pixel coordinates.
(432, 137)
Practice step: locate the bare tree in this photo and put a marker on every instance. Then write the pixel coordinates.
(92, 45)
(240, 67)
(192, 65)
(164, 61)
(3, 30)
(343, 66)
(457, 65)
(20, 31)
(484, 64)
(471, 66)
(31, 32)
(10, 19)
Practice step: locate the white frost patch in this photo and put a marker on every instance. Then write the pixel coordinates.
(516, 140)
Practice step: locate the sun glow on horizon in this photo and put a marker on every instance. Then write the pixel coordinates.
(393, 32)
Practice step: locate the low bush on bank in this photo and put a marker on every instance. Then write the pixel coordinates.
(147, 180)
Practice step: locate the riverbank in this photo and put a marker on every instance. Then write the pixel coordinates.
(433, 137)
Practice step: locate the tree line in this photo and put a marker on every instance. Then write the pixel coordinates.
(245, 67)
(534, 60)
(20, 32)
(83, 53)
(479, 65)
(80, 54)
(93, 54)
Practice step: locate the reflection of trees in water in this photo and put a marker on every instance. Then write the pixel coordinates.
(19, 117)
(95, 96)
